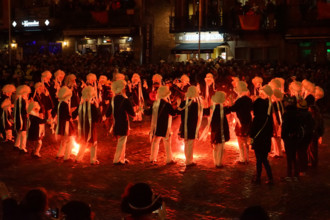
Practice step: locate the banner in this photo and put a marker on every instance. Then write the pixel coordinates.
(100, 16)
(250, 22)
(4, 19)
(323, 10)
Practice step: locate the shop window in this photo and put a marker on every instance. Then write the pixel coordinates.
(305, 44)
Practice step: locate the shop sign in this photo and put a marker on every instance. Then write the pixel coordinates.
(33, 23)
(204, 37)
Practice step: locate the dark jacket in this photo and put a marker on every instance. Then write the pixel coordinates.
(216, 131)
(192, 120)
(34, 128)
(64, 118)
(164, 111)
(262, 126)
(243, 108)
(122, 108)
(84, 122)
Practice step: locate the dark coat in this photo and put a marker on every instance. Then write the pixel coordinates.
(122, 108)
(262, 124)
(23, 113)
(84, 122)
(192, 119)
(64, 118)
(41, 99)
(33, 132)
(216, 132)
(165, 109)
(243, 107)
(134, 94)
(8, 118)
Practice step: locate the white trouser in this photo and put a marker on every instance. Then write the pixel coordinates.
(243, 149)
(65, 147)
(9, 135)
(155, 147)
(37, 147)
(21, 140)
(120, 150)
(277, 146)
(82, 150)
(189, 150)
(218, 153)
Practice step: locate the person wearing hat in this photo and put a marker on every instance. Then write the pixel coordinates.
(152, 91)
(7, 92)
(140, 202)
(88, 117)
(50, 97)
(64, 128)
(307, 125)
(219, 127)
(70, 82)
(278, 111)
(262, 131)
(35, 132)
(161, 123)
(58, 80)
(7, 119)
(191, 111)
(242, 107)
(295, 89)
(40, 97)
(308, 90)
(20, 116)
(208, 89)
(77, 210)
(136, 96)
(120, 108)
(104, 94)
(257, 84)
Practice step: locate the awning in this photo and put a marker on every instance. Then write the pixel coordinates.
(193, 47)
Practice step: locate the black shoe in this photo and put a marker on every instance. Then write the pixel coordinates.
(219, 166)
(68, 161)
(172, 162)
(240, 162)
(191, 164)
(119, 163)
(59, 158)
(21, 151)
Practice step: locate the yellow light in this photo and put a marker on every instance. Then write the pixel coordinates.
(75, 147)
(65, 43)
(13, 45)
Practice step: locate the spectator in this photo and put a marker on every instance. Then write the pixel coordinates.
(77, 210)
(141, 203)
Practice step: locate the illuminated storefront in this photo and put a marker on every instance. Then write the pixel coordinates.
(209, 45)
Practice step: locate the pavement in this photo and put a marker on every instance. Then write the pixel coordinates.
(198, 192)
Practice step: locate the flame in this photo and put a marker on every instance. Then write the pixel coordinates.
(233, 143)
(75, 146)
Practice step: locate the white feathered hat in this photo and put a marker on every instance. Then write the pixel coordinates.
(88, 92)
(69, 78)
(267, 90)
(192, 92)
(136, 78)
(64, 93)
(91, 77)
(308, 86)
(209, 78)
(319, 93)
(185, 78)
(219, 97)
(59, 73)
(241, 87)
(9, 88)
(163, 92)
(120, 76)
(257, 80)
(295, 86)
(6, 104)
(38, 85)
(33, 106)
(157, 78)
(103, 79)
(46, 74)
(23, 89)
(275, 84)
(235, 81)
(118, 86)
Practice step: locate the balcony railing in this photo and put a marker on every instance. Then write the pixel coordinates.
(190, 24)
